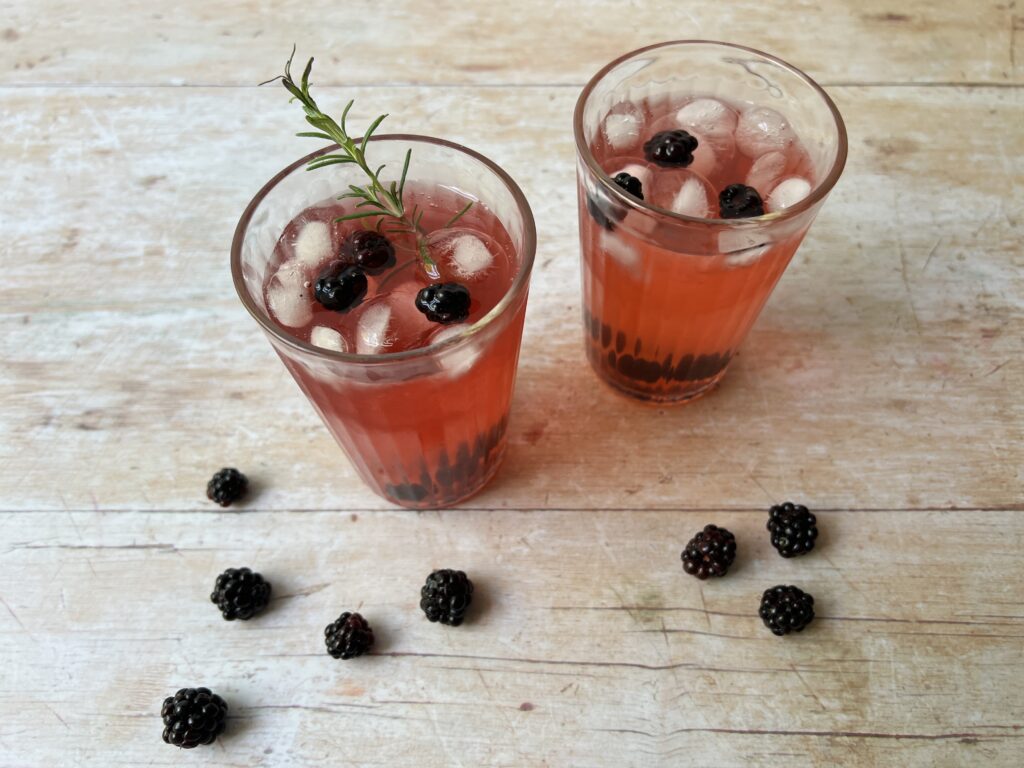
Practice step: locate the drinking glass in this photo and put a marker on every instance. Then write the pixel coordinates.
(668, 298)
(424, 428)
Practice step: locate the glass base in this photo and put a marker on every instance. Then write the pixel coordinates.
(680, 396)
(444, 502)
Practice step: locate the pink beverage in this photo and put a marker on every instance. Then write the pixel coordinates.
(475, 251)
(431, 439)
(692, 203)
(392, 282)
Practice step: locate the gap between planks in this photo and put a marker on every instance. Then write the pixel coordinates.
(241, 510)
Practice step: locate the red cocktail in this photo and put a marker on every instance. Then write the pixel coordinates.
(701, 166)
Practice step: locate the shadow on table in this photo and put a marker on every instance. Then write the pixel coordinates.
(568, 429)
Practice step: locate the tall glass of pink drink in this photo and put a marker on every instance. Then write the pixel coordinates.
(420, 408)
(701, 166)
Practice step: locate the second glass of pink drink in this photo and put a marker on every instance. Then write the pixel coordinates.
(403, 332)
(701, 166)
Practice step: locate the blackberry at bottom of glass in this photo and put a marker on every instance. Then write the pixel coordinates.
(453, 475)
(654, 375)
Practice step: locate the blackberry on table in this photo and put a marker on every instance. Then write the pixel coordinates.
(786, 609)
(793, 529)
(446, 595)
(710, 552)
(240, 593)
(193, 716)
(348, 637)
(227, 486)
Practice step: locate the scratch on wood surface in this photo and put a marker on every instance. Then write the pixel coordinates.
(703, 605)
(997, 368)
(546, 662)
(14, 616)
(808, 687)
(184, 657)
(550, 673)
(57, 715)
(453, 757)
(906, 285)
(749, 475)
(825, 734)
(839, 572)
(1016, 25)
(683, 631)
(931, 255)
(510, 722)
(305, 592)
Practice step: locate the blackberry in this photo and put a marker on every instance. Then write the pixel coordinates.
(340, 286)
(606, 215)
(446, 595)
(793, 529)
(348, 637)
(738, 201)
(444, 302)
(670, 149)
(367, 249)
(629, 183)
(193, 716)
(227, 486)
(240, 593)
(786, 609)
(709, 553)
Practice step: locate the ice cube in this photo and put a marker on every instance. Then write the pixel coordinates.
(327, 338)
(462, 254)
(460, 357)
(372, 331)
(742, 247)
(470, 255)
(618, 249)
(691, 199)
(622, 127)
(708, 117)
(289, 295)
(761, 130)
(682, 191)
(766, 171)
(392, 323)
(313, 244)
(705, 158)
(789, 192)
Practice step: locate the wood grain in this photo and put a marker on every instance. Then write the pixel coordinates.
(888, 355)
(881, 386)
(242, 42)
(588, 645)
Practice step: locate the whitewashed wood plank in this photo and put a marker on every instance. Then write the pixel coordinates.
(242, 42)
(882, 374)
(588, 646)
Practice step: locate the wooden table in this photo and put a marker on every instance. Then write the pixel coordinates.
(882, 387)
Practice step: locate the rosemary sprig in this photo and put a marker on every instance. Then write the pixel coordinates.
(377, 198)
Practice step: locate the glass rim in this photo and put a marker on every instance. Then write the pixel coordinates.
(620, 196)
(519, 283)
